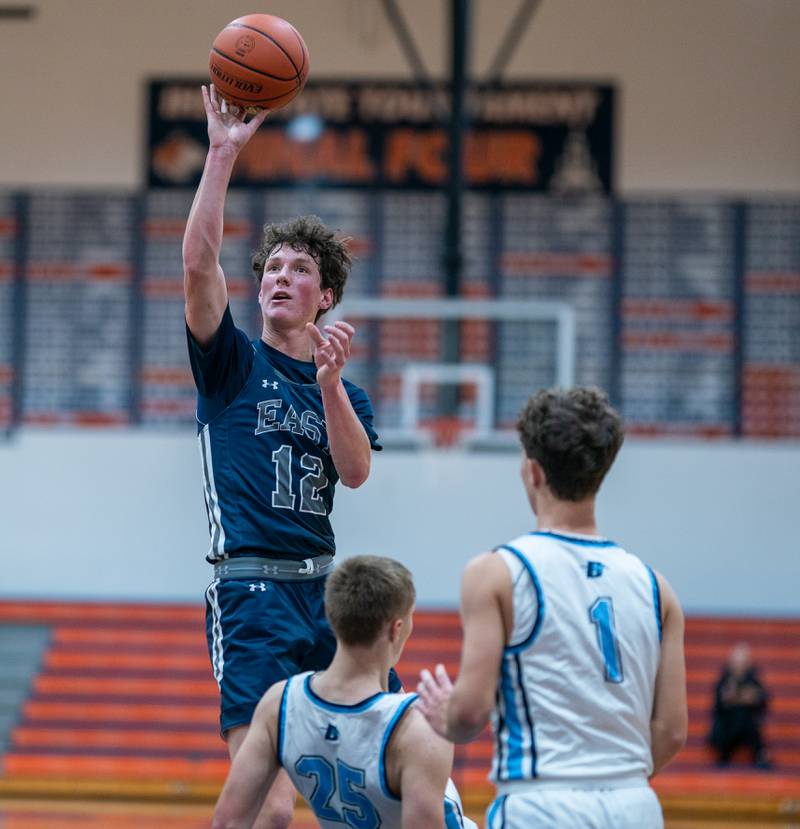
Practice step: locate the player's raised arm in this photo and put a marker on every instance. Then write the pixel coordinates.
(203, 280)
(254, 767)
(460, 712)
(669, 722)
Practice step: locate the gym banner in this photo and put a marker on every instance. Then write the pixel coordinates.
(545, 136)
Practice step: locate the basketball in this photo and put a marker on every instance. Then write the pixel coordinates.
(259, 61)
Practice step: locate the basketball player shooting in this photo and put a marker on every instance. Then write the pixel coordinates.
(572, 646)
(278, 427)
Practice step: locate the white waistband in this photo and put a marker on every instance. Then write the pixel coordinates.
(532, 786)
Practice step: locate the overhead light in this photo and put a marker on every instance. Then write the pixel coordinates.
(305, 127)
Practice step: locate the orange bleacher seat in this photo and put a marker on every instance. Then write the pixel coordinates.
(125, 693)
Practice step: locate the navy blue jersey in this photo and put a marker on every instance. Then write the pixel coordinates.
(269, 476)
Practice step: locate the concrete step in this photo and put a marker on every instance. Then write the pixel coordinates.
(22, 649)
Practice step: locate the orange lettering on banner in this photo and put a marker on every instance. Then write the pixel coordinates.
(416, 153)
(343, 156)
(398, 154)
(432, 167)
(339, 156)
(507, 157)
(510, 157)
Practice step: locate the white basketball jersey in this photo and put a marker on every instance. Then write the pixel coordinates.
(336, 757)
(577, 681)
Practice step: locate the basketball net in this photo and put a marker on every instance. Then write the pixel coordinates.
(446, 430)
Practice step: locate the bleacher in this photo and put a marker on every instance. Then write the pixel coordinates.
(119, 702)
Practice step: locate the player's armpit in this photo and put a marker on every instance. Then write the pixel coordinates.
(485, 617)
(253, 769)
(421, 762)
(669, 721)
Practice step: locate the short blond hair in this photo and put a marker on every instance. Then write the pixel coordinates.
(364, 594)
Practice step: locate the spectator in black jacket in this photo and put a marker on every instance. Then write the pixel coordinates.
(739, 706)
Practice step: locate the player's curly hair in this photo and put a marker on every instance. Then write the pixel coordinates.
(575, 435)
(364, 594)
(309, 234)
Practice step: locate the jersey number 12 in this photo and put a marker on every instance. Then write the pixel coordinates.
(310, 484)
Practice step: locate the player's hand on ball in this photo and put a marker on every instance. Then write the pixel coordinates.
(332, 353)
(434, 697)
(226, 125)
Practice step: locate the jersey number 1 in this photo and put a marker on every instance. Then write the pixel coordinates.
(601, 614)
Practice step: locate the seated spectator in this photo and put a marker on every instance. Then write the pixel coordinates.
(739, 707)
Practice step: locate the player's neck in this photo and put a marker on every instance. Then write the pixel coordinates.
(568, 516)
(293, 342)
(353, 675)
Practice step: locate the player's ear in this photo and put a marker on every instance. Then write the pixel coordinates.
(395, 627)
(538, 476)
(326, 301)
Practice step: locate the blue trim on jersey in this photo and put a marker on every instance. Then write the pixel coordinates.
(513, 725)
(656, 598)
(282, 721)
(531, 638)
(501, 724)
(499, 805)
(387, 735)
(528, 718)
(586, 542)
(452, 815)
(339, 708)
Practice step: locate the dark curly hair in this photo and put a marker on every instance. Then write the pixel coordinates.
(575, 435)
(309, 234)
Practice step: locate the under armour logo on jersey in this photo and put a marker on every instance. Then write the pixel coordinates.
(260, 586)
(594, 569)
(269, 384)
(332, 733)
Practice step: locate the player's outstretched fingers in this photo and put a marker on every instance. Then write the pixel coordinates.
(210, 102)
(433, 702)
(315, 334)
(348, 330)
(346, 327)
(428, 686)
(443, 678)
(341, 336)
(212, 93)
(326, 355)
(423, 698)
(339, 343)
(258, 119)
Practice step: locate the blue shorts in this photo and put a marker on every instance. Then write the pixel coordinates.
(260, 632)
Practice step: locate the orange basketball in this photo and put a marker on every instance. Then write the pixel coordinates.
(259, 62)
